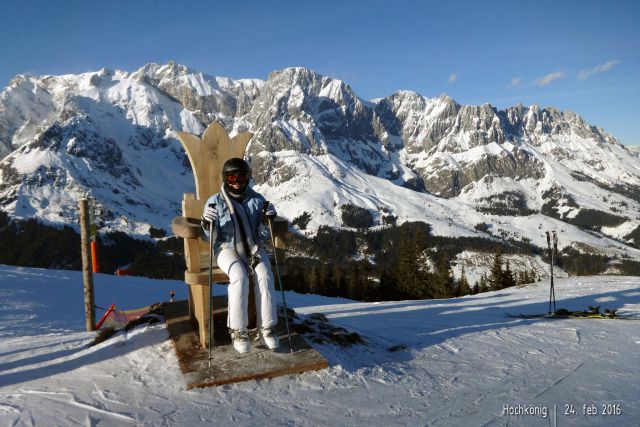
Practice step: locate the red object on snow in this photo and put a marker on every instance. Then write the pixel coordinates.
(111, 308)
(118, 319)
(123, 271)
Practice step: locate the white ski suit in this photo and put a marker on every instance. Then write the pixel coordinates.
(234, 257)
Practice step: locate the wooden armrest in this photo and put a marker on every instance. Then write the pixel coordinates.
(187, 228)
(202, 278)
(280, 226)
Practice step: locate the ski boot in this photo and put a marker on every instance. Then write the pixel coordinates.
(240, 339)
(270, 338)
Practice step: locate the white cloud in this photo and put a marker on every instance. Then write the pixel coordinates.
(585, 74)
(516, 81)
(545, 80)
(453, 77)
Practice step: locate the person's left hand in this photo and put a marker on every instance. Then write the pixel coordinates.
(271, 211)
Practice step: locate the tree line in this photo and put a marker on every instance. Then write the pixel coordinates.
(395, 262)
(30, 243)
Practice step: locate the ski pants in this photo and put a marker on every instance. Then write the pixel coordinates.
(239, 281)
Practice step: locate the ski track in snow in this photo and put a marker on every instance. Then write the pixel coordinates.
(434, 362)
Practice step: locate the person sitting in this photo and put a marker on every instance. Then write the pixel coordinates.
(237, 213)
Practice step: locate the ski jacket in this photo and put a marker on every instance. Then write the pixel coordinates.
(252, 204)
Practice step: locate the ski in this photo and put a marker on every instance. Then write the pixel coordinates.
(572, 315)
(527, 316)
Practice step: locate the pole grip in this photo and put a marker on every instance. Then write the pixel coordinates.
(212, 228)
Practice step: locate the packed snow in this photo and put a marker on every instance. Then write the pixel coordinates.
(435, 362)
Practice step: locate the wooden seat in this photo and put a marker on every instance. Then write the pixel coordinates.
(207, 156)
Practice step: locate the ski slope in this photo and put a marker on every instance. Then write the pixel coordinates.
(450, 362)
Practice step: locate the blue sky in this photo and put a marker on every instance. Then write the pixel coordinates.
(577, 55)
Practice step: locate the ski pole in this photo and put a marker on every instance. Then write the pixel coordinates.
(284, 301)
(555, 253)
(210, 309)
(552, 295)
(551, 290)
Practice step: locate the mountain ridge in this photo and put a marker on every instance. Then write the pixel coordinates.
(111, 134)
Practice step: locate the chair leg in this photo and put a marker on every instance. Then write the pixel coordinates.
(251, 306)
(200, 301)
(192, 310)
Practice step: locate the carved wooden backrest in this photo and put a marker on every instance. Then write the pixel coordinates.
(207, 156)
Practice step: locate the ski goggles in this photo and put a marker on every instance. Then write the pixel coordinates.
(237, 178)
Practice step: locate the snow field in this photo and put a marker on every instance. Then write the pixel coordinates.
(434, 362)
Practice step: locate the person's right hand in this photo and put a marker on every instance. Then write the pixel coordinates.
(210, 214)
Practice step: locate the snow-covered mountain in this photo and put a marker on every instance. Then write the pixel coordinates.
(634, 149)
(316, 147)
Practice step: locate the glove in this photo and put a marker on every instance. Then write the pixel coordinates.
(210, 214)
(271, 211)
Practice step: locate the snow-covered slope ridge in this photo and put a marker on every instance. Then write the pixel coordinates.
(111, 134)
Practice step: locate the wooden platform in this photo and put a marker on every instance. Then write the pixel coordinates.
(227, 366)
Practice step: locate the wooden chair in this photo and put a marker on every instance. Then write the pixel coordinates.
(207, 156)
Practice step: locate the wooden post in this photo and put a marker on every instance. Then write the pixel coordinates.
(87, 275)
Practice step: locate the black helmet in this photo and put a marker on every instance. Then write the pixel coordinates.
(236, 171)
(236, 165)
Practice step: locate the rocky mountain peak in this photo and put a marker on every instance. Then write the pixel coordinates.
(446, 99)
(108, 132)
(168, 70)
(292, 76)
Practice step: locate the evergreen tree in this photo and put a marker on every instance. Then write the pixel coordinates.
(353, 282)
(312, 281)
(324, 280)
(532, 276)
(476, 289)
(496, 280)
(484, 287)
(369, 288)
(407, 268)
(388, 284)
(337, 277)
(443, 285)
(507, 277)
(525, 277)
(463, 285)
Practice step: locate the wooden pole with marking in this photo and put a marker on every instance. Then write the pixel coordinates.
(87, 275)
